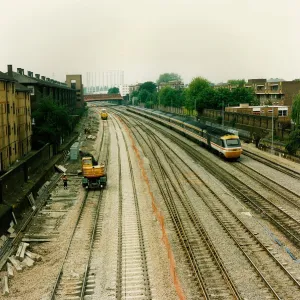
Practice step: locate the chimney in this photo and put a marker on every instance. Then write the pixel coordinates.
(22, 71)
(43, 78)
(19, 70)
(37, 76)
(28, 73)
(9, 71)
(48, 79)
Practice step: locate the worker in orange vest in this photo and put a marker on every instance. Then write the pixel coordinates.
(65, 181)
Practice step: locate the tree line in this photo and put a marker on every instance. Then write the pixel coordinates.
(199, 94)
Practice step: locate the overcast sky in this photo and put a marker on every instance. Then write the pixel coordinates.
(216, 39)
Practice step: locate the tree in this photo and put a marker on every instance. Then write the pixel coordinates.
(243, 95)
(295, 115)
(113, 90)
(239, 82)
(166, 77)
(144, 96)
(293, 143)
(194, 91)
(169, 97)
(52, 122)
(149, 86)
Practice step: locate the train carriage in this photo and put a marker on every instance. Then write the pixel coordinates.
(225, 144)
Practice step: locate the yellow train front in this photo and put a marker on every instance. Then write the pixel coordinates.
(227, 145)
(104, 114)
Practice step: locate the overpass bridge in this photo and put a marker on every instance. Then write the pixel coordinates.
(110, 98)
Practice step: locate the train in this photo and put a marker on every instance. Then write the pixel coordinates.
(104, 114)
(225, 144)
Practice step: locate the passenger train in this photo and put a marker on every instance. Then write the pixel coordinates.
(223, 143)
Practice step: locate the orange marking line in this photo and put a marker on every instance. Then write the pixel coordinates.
(160, 218)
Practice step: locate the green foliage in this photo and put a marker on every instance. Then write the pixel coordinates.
(170, 97)
(293, 143)
(239, 82)
(195, 91)
(204, 95)
(52, 121)
(113, 90)
(144, 96)
(148, 86)
(219, 120)
(295, 115)
(243, 95)
(166, 77)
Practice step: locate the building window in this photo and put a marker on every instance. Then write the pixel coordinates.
(282, 113)
(9, 130)
(274, 88)
(14, 108)
(7, 108)
(14, 128)
(31, 88)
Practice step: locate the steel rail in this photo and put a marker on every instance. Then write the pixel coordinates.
(254, 237)
(272, 164)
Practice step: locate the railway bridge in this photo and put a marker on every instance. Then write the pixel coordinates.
(110, 98)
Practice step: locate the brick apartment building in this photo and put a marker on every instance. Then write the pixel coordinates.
(174, 84)
(75, 82)
(275, 92)
(41, 86)
(15, 121)
(19, 96)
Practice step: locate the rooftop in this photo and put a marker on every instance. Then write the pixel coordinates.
(5, 77)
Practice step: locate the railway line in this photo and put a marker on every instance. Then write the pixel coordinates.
(286, 223)
(277, 189)
(261, 259)
(274, 165)
(132, 278)
(75, 277)
(198, 247)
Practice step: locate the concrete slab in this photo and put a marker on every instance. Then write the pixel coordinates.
(10, 230)
(22, 255)
(4, 238)
(38, 240)
(33, 256)
(60, 168)
(19, 250)
(28, 262)
(10, 270)
(5, 290)
(16, 263)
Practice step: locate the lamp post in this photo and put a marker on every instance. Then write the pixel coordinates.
(272, 149)
(223, 114)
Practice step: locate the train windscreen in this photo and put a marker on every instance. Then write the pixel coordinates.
(231, 143)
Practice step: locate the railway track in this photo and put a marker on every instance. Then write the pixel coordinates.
(280, 191)
(75, 279)
(203, 257)
(281, 286)
(286, 223)
(132, 280)
(273, 165)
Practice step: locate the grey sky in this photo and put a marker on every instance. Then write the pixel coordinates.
(216, 39)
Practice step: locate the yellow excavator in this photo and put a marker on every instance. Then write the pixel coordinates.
(94, 176)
